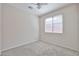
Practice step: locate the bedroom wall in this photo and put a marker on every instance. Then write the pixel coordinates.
(0, 28)
(19, 27)
(69, 38)
(78, 20)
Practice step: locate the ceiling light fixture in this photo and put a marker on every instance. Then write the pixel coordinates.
(39, 5)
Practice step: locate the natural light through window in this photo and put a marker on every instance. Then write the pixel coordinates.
(54, 24)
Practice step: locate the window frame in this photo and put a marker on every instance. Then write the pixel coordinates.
(52, 24)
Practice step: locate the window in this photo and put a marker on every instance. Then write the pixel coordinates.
(54, 24)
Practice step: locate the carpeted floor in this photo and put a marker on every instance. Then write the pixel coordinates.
(39, 49)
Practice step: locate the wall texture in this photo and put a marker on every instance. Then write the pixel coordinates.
(78, 20)
(69, 38)
(0, 28)
(19, 27)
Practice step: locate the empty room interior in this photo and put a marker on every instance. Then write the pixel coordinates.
(39, 29)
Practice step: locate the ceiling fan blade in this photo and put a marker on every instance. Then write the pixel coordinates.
(30, 7)
(38, 5)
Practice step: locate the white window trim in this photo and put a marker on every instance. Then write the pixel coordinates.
(52, 24)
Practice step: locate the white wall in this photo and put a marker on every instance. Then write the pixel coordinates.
(19, 27)
(78, 20)
(0, 28)
(69, 38)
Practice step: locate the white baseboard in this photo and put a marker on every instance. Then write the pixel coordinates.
(18, 45)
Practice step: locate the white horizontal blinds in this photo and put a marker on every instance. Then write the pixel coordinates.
(54, 24)
(57, 24)
(48, 25)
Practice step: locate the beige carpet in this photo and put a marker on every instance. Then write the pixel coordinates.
(39, 49)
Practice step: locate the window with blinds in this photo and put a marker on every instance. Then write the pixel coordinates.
(54, 24)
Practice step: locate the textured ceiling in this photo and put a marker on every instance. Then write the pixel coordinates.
(44, 9)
